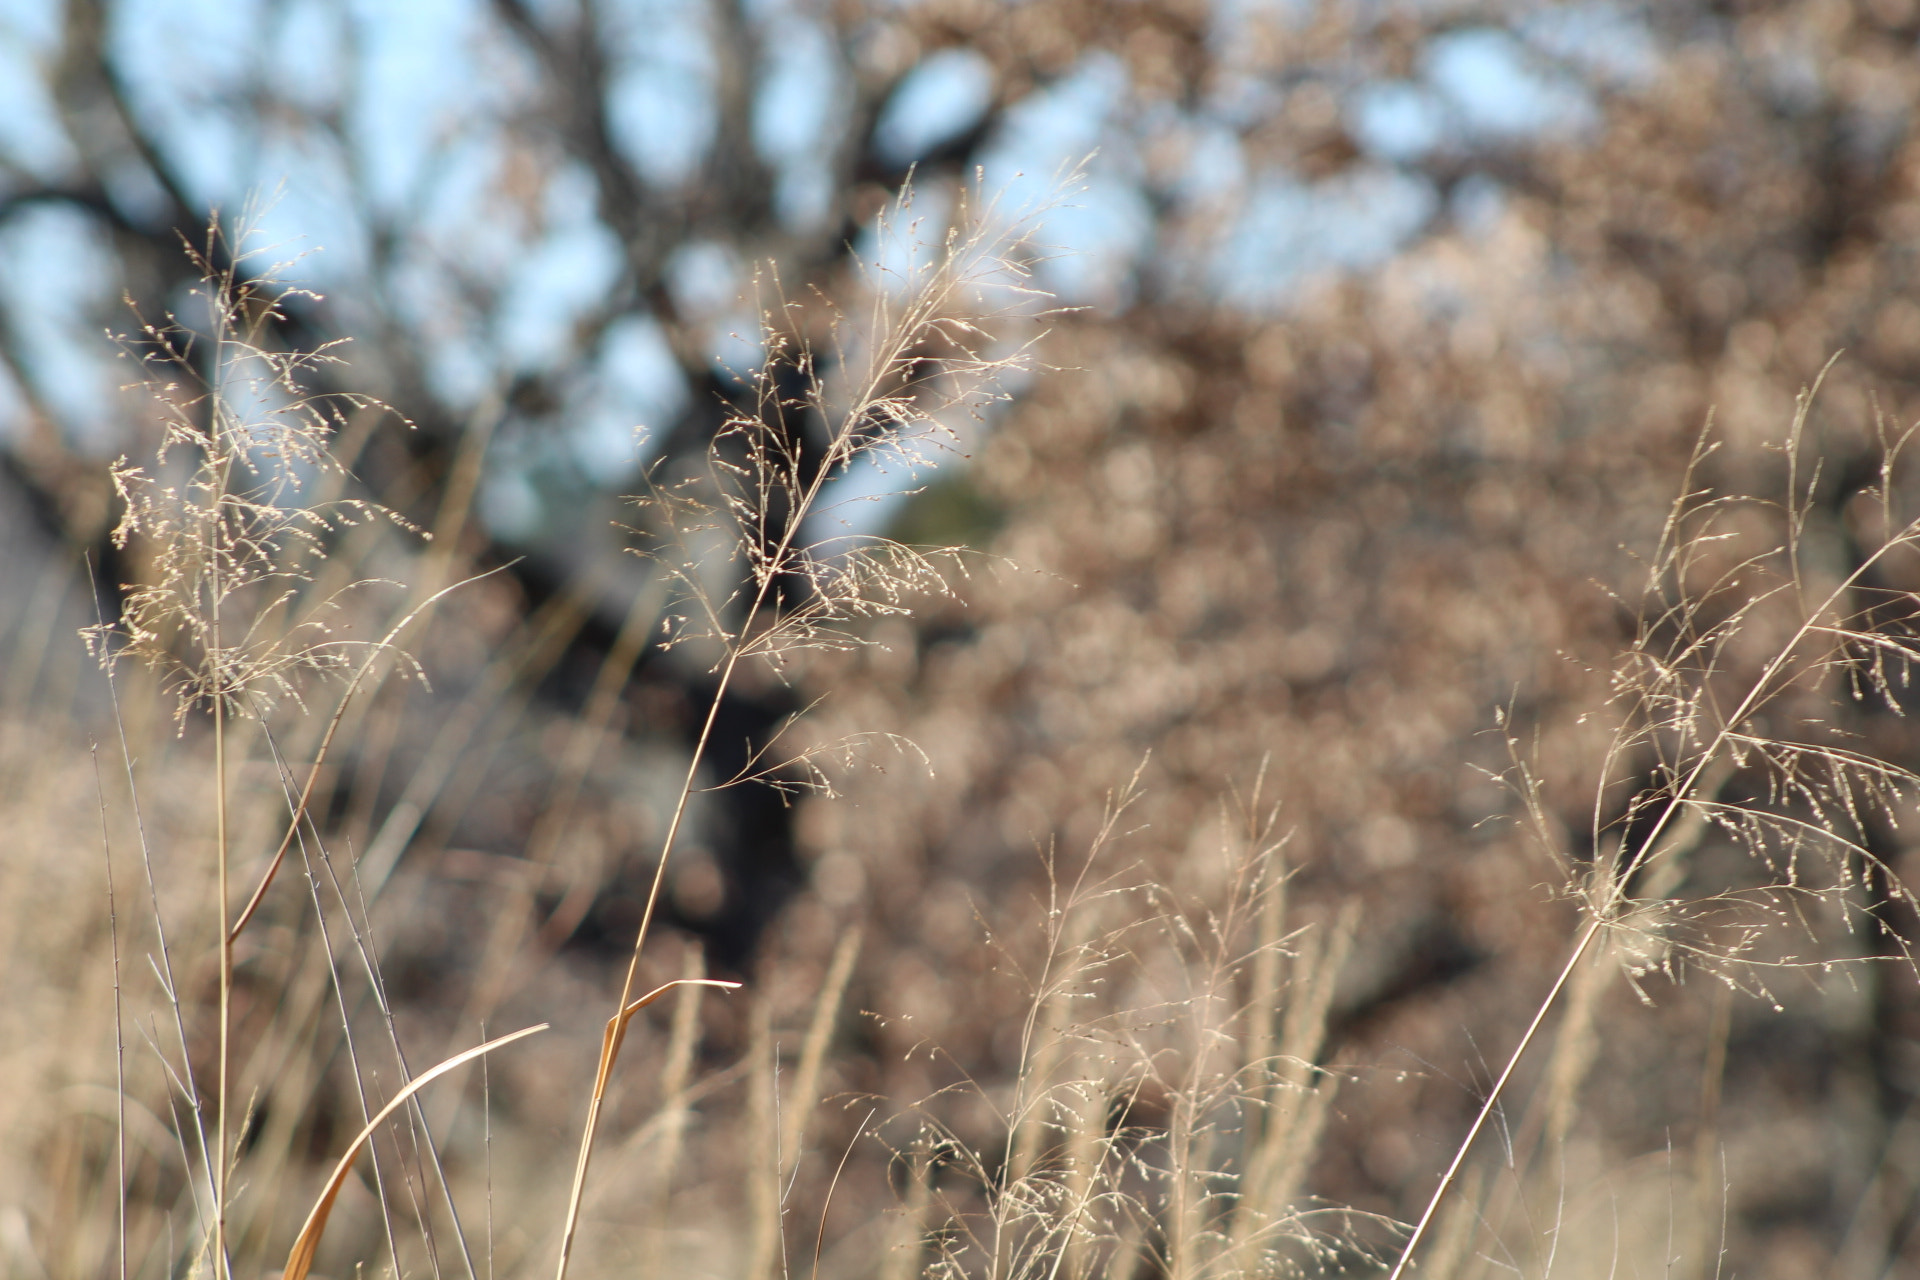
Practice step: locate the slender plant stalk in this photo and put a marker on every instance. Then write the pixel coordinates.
(221, 1269)
(769, 499)
(119, 1041)
(616, 1034)
(1604, 911)
(614, 1038)
(163, 964)
(1494, 1095)
(234, 549)
(1614, 895)
(357, 1074)
(299, 809)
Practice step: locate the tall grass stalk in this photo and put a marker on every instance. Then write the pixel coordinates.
(119, 1033)
(1167, 1094)
(933, 343)
(233, 539)
(230, 524)
(234, 526)
(1172, 1133)
(1694, 715)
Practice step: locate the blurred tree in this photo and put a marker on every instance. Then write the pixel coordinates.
(1398, 321)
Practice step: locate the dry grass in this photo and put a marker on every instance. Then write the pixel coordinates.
(1167, 1093)
(1725, 735)
(200, 1038)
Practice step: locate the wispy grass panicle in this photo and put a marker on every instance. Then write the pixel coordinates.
(1729, 738)
(226, 529)
(238, 505)
(229, 533)
(890, 388)
(1729, 732)
(1169, 1086)
(757, 581)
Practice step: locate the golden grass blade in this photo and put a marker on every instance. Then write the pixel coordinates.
(770, 533)
(609, 1051)
(300, 1259)
(617, 1027)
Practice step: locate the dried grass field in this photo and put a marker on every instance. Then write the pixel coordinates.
(276, 997)
(1280, 750)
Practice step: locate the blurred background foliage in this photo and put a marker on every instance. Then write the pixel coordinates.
(1392, 327)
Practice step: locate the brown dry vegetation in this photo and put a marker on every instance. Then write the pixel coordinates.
(1345, 602)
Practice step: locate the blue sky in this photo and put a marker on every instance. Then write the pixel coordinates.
(422, 91)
